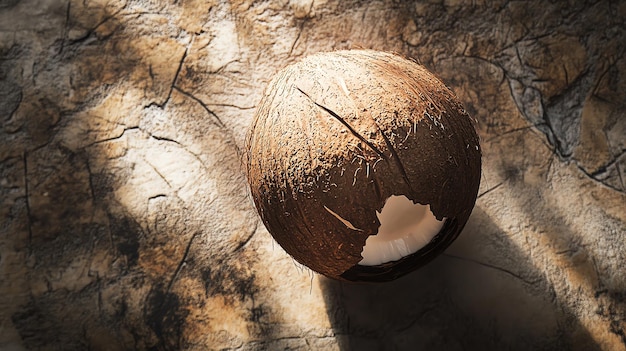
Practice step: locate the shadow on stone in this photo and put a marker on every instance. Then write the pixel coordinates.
(108, 265)
(483, 293)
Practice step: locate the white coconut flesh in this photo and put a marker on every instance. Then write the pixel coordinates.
(405, 228)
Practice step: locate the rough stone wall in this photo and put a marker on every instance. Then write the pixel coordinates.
(125, 221)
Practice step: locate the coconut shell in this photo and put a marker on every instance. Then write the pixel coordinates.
(337, 134)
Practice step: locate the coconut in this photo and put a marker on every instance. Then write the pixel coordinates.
(362, 164)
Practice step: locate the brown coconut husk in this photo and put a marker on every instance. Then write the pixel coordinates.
(343, 131)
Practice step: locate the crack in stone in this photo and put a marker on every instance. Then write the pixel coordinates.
(155, 137)
(90, 32)
(204, 106)
(416, 319)
(234, 106)
(263, 344)
(295, 42)
(156, 197)
(487, 265)
(113, 138)
(174, 80)
(180, 67)
(160, 138)
(169, 140)
(159, 173)
(65, 27)
(28, 209)
(12, 112)
(487, 61)
(245, 242)
(91, 185)
(181, 263)
(603, 170)
(566, 109)
(514, 130)
(490, 190)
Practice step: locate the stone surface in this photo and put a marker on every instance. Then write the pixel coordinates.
(125, 222)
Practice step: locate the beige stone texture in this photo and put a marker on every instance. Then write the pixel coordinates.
(125, 219)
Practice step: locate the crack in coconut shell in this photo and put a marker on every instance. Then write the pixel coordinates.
(388, 108)
(346, 124)
(394, 154)
(343, 220)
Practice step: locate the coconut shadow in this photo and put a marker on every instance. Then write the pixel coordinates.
(458, 301)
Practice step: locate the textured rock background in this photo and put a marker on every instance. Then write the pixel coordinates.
(125, 220)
